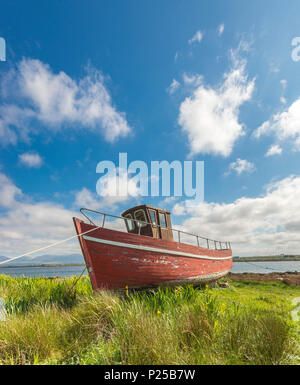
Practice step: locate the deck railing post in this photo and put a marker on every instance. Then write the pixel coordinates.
(220, 245)
(197, 240)
(215, 245)
(103, 220)
(179, 236)
(207, 243)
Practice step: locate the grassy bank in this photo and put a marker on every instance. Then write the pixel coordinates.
(247, 323)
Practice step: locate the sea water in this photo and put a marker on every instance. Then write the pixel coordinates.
(67, 271)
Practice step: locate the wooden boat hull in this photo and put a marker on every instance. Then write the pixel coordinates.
(116, 259)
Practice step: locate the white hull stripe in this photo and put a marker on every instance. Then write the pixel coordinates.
(154, 249)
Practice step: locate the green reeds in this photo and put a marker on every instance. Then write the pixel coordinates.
(248, 323)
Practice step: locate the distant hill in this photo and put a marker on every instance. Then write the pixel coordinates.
(2, 258)
(47, 259)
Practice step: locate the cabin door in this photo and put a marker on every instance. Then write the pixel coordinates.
(155, 229)
(165, 232)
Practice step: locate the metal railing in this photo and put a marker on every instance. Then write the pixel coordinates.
(218, 245)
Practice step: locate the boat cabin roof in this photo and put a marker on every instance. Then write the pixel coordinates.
(140, 207)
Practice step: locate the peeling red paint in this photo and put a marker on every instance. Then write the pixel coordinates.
(115, 267)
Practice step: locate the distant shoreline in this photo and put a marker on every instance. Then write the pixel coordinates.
(235, 259)
(267, 259)
(43, 265)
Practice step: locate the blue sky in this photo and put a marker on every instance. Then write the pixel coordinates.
(160, 80)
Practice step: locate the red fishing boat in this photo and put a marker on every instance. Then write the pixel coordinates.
(149, 252)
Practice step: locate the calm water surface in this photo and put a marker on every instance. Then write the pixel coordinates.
(60, 271)
(265, 267)
(67, 271)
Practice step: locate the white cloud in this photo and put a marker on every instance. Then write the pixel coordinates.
(86, 199)
(114, 190)
(210, 115)
(255, 226)
(34, 93)
(168, 201)
(283, 82)
(14, 123)
(241, 166)
(274, 150)
(283, 100)
(89, 200)
(192, 80)
(27, 225)
(284, 125)
(198, 36)
(220, 29)
(178, 209)
(118, 189)
(173, 87)
(31, 159)
(274, 67)
(8, 192)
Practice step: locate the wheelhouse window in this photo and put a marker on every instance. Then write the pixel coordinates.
(162, 220)
(153, 217)
(129, 222)
(140, 215)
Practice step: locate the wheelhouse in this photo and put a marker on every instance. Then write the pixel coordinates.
(150, 221)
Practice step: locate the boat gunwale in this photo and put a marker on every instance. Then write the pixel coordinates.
(179, 253)
(166, 246)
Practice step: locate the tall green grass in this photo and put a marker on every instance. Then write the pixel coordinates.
(248, 323)
(22, 294)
